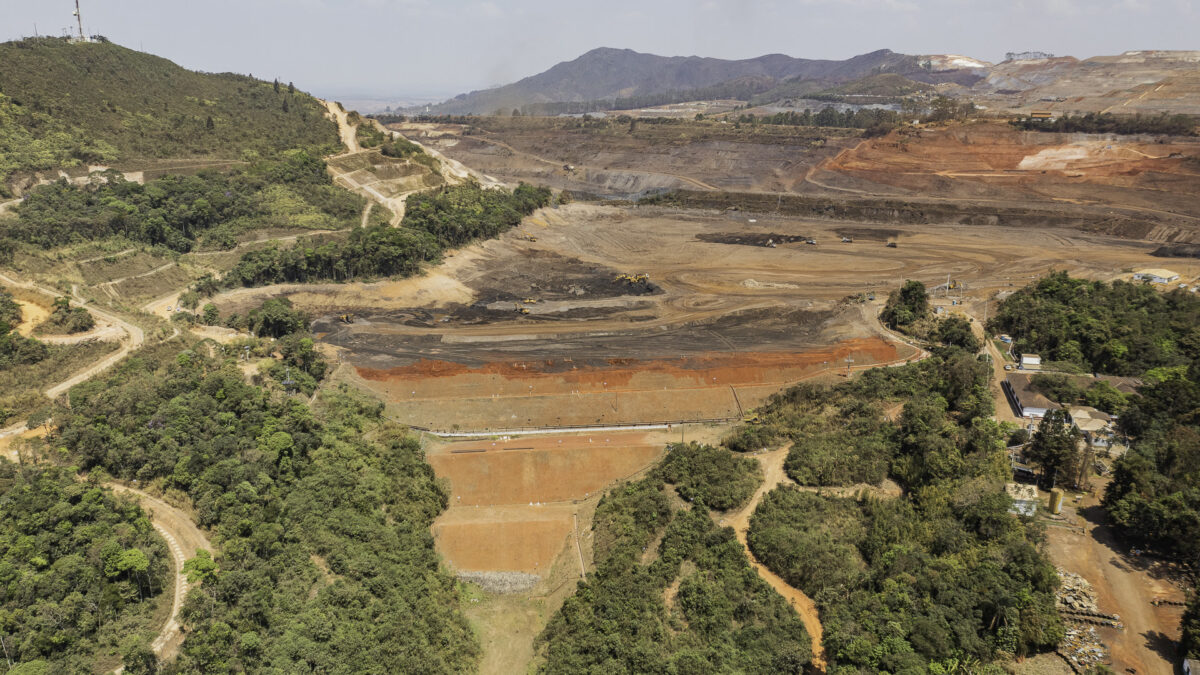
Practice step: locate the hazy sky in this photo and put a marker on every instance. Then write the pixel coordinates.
(444, 47)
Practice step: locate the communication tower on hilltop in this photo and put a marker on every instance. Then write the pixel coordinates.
(79, 21)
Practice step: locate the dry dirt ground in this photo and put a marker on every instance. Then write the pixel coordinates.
(452, 348)
(1125, 584)
(1144, 178)
(609, 158)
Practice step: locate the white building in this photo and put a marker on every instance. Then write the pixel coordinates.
(1031, 361)
(1155, 276)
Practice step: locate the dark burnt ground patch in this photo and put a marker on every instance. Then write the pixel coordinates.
(868, 233)
(544, 275)
(751, 238)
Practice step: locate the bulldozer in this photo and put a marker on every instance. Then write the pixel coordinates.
(752, 418)
(346, 318)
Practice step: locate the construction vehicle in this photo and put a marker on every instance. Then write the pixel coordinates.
(632, 279)
(520, 308)
(346, 318)
(891, 244)
(811, 242)
(847, 240)
(752, 418)
(530, 301)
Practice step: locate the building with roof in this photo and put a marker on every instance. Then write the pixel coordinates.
(1096, 425)
(1191, 667)
(1024, 398)
(1155, 276)
(1032, 361)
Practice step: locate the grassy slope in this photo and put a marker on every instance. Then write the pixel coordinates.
(64, 104)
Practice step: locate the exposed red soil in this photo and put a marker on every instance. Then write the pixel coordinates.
(527, 540)
(743, 368)
(434, 394)
(526, 470)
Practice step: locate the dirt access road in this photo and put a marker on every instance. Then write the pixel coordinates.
(773, 475)
(135, 338)
(183, 539)
(1124, 585)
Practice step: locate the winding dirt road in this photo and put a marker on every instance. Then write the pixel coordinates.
(773, 474)
(135, 337)
(183, 539)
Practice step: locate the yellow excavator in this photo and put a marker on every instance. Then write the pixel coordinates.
(346, 318)
(633, 278)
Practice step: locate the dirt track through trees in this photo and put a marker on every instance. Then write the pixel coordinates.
(773, 475)
(183, 540)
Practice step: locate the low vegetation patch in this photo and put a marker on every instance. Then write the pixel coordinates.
(433, 221)
(710, 476)
(73, 104)
(66, 320)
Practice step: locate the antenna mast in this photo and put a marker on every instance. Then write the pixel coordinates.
(79, 18)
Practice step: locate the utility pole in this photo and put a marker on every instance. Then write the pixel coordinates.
(79, 19)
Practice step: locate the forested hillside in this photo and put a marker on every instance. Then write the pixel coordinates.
(689, 604)
(1131, 329)
(80, 570)
(322, 516)
(65, 104)
(941, 579)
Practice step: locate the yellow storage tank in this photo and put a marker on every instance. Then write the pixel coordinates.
(1056, 500)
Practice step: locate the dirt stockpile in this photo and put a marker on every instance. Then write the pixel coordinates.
(1177, 251)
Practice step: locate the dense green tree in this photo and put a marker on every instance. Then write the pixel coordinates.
(1128, 329)
(1055, 447)
(1189, 644)
(956, 331)
(908, 304)
(714, 477)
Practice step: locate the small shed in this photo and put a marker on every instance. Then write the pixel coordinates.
(1156, 276)
(1031, 361)
(1191, 667)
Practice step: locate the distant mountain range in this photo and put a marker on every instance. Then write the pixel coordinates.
(607, 78)
(608, 74)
